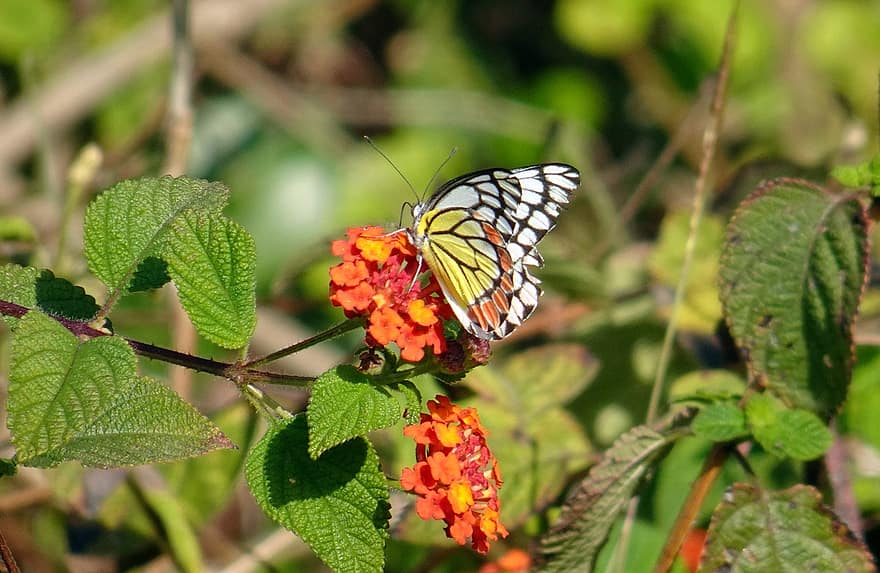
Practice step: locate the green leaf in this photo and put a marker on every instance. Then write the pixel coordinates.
(337, 504)
(152, 273)
(413, 400)
(8, 467)
(212, 260)
(127, 223)
(345, 404)
(202, 485)
(75, 400)
(17, 286)
(591, 510)
(707, 386)
(758, 531)
(60, 297)
(720, 422)
(798, 434)
(792, 271)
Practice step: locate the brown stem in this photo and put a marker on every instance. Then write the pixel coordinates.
(231, 371)
(845, 504)
(7, 557)
(690, 508)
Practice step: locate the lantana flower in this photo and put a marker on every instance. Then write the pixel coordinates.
(378, 279)
(455, 477)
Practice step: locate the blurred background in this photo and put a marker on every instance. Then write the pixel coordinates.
(284, 90)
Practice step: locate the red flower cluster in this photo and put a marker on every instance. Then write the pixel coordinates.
(455, 476)
(377, 279)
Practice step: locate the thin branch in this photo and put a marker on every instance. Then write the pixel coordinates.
(710, 144)
(7, 556)
(691, 507)
(231, 371)
(710, 140)
(328, 334)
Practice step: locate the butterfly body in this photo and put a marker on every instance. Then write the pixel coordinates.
(478, 234)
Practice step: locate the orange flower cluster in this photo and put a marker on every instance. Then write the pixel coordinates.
(377, 279)
(514, 561)
(455, 476)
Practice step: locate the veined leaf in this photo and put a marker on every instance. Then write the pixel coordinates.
(60, 297)
(345, 404)
(720, 422)
(792, 271)
(758, 531)
(213, 262)
(784, 432)
(338, 504)
(75, 400)
(126, 223)
(17, 286)
(590, 512)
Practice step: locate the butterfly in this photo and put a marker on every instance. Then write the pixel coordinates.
(478, 234)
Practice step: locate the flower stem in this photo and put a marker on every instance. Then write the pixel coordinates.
(329, 334)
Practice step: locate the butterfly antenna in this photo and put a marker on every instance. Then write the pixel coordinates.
(391, 163)
(402, 207)
(452, 152)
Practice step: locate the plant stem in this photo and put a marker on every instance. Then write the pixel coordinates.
(710, 144)
(328, 334)
(7, 557)
(697, 495)
(232, 371)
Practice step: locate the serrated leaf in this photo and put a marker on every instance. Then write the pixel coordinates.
(720, 422)
(412, 400)
(17, 286)
(126, 223)
(591, 510)
(75, 400)
(203, 484)
(212, 261)
(152, 273)
(60, 297)
(798, 434)
(792, 270)
(756, 531)
(337, 504)
(344, 404)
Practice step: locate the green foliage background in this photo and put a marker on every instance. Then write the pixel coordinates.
(279, 109)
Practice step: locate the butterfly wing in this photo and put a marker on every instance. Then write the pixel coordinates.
(479, 233)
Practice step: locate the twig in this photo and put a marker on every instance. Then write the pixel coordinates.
(710, 138)
(710, 141)
(328, 334)
(696, 496)
(231, 371)
(7, 556)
